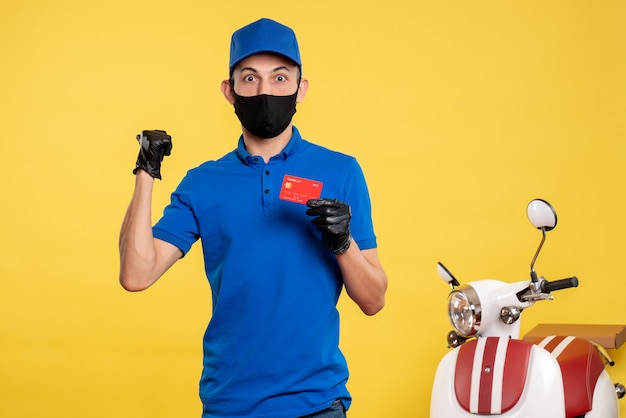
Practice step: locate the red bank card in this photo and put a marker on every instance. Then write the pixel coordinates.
(299, 190)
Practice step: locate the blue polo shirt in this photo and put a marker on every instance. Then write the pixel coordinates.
(271, 348)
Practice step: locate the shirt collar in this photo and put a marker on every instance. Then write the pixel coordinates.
(292, 146)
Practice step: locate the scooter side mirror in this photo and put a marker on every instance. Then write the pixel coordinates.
(447, 277)
(541, 214)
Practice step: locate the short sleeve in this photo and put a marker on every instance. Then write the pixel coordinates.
(357, 196)
(178, 225)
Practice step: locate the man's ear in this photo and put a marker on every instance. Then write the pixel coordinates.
(302, 89)
(227, 91)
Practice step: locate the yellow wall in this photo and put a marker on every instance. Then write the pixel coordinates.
(459, 111)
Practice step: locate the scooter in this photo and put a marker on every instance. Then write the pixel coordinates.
(491, 371)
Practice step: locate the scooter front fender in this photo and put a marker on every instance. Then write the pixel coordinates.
(542, 395)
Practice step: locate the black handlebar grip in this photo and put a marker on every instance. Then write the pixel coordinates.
(548, 287)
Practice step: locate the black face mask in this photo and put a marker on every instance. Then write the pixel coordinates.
(265, 116)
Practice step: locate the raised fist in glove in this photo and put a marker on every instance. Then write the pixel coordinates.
(333, 220)
(153, 146)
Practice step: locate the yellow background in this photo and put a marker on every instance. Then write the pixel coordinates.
(460, 112)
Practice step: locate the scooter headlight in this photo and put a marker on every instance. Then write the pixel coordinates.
(464, 310)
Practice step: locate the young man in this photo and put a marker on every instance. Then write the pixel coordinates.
(285, 224)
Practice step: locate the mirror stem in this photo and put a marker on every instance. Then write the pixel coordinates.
(533, 274)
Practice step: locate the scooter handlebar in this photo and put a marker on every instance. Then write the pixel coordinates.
(548, 287)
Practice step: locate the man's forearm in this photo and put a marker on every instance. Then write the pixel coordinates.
(136, 243)
(364, 278)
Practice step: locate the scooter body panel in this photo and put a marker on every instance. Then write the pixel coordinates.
(605, 403)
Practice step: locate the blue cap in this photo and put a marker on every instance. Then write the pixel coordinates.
(263, 36)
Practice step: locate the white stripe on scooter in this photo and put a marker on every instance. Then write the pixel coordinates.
(546, 341)
(476, 373)
(498, 376)
(562, 346)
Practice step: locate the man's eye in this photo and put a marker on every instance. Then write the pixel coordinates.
(249, 78)
(281, 78)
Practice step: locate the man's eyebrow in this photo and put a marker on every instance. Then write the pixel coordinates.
(282, 68)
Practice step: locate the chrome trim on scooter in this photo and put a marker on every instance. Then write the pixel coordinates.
(462, 301)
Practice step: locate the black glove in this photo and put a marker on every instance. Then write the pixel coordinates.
(333, 220)
(153, 146)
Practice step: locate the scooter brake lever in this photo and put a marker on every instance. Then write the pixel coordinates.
(533, 297)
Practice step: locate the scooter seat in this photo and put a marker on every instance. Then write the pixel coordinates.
(581, 366)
